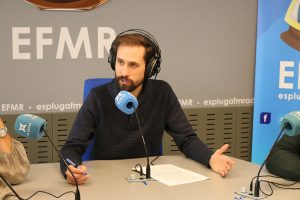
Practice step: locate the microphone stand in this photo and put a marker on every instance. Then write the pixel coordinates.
(257, 183)
(77, 193)
(148, 172)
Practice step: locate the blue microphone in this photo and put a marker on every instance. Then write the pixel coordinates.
(30, 126)
(126, 102)
(291, 121)
(34, 127)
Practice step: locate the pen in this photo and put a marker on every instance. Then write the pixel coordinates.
(74, 164)
(71, 163)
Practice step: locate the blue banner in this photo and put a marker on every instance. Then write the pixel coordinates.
(277, 77)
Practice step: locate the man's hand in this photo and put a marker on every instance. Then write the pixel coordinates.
(79, 173)
(220, 163)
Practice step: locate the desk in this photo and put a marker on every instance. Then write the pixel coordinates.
(108, 182)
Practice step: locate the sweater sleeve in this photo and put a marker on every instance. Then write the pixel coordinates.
(186, 139)
(82, 132)
(284, 159)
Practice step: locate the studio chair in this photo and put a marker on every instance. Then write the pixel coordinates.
(89, 84)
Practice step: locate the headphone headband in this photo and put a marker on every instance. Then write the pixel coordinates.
(153, 66)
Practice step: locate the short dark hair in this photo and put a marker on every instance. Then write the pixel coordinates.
(135, 39)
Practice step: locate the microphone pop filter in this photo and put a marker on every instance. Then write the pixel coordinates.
(292, 121)
(30, 126)
(126, 102)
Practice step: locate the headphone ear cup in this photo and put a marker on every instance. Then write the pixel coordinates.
(111, 61)
(112, 58)
(151, 68)
(157, 67)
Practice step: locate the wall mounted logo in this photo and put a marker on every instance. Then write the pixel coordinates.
(68, 5)
(292, 17)
(265, 118)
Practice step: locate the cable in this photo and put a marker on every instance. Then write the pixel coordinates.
(154, 159)
(20, 198)
(275, 184)
(257, 182)
(57, 197)
(141, 169)
(251, 184)
(278, 185)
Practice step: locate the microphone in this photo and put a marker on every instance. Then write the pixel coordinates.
(33, 127)
(128, 104)
(30, 126)
(292, 121)
(291, 124)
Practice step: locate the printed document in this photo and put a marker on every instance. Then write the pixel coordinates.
(173, 175)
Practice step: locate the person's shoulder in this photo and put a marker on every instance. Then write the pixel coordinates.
(160, 83)
(161, 89)
(286, 139)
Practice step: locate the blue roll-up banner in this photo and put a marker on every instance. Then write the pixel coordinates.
(277, 77)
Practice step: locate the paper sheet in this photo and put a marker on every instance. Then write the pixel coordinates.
(173, 175)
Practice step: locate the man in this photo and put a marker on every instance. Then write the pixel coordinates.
(284, 159)
(14, 164)
(135, 57)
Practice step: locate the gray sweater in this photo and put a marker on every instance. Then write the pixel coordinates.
(116, 134)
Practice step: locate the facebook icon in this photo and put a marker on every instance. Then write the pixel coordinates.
(265, 118)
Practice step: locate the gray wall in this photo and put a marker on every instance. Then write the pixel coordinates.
(208, 49)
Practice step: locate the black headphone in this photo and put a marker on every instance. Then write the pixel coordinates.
(153, 66)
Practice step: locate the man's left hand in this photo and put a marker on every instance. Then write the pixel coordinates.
(221, 163)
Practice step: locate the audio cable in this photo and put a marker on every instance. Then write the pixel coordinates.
(272, 184)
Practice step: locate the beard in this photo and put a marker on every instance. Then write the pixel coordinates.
(131, 86)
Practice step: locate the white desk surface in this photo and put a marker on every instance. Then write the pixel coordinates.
(108, 182)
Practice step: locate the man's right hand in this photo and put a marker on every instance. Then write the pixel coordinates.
(80, 174)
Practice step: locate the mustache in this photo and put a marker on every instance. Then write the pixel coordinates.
(123, 78)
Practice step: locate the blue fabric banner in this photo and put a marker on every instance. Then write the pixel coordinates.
(277, 77)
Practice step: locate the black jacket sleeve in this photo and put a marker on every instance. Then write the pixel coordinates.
(284, 159)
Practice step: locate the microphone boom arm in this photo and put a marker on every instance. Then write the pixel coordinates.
(77, 193)
(257, 183)
(11, 188)
(148, 171)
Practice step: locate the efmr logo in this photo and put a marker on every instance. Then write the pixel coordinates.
(265, 118)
